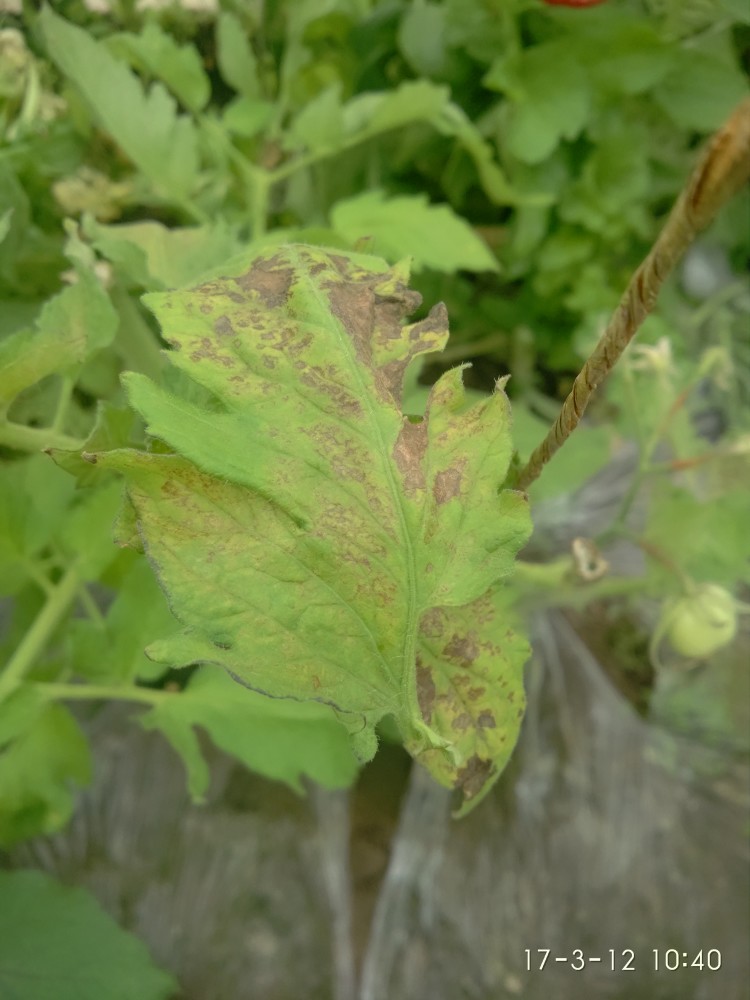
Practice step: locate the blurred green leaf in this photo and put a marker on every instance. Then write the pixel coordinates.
(34, 499)
(282, 739)
(156, 257)
(56, 943)
(549, 98)
(421, 37)
(237, 63)
(412, 101)
(701, 89)
(86, 534)
(5, 220)
(74, 324)
(39, 772)
(113, 652)
(247, 116)
(157, 54)
(432, 235)
(708, 539)
(160, 142)
(319, 126)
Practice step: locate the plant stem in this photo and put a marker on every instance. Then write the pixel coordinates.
(723, 169)
(37, 637)
(63, 403)
(32, 439)
(91, 607)
(102, 692)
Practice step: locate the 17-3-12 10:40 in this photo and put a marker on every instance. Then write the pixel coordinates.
(663, 960)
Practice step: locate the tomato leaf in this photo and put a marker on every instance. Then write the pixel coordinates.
(314, 541)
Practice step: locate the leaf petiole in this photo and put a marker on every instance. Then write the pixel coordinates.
(59, 600)
(102, 692)
(33, 439)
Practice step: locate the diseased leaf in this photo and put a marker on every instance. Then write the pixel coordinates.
(56, 943)
(160, 142)
(314, 541)
(432, 235)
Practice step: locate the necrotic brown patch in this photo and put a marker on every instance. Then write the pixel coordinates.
(269, 281)
(472, 777)
(408, 453)
(425, 691)
(461, 650)
(223, 327)
(447, 485)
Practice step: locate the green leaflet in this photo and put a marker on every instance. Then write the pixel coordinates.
(145, 125)
(431, 235)
(56, 943)
(314, 541)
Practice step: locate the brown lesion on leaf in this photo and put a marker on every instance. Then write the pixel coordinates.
(447, 484)
(408, 453)
(223, 327)
(425, 690)
(462, 722)
(353, 306)
(391, 309)
(206, 351)
(486, 720)
(432, 623)
(432, 329)
(287, 340)
(322, 381)
(269, 280)
(471, 778)
(462, 650)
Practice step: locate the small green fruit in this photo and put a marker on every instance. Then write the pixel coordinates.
(700, 623)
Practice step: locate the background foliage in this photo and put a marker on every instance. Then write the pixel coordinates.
(521, 154)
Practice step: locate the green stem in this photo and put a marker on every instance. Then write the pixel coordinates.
(91, 607)
(257, 180)
(32, 439)
(259, 204)
(63, 403)
(103, 692)
(37, 637)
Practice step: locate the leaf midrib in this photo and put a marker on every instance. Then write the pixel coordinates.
(347, 349)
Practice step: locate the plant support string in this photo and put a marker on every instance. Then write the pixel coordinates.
(719, 175)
